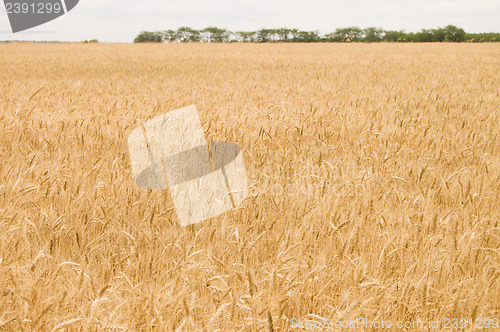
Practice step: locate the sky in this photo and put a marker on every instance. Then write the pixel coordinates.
(121, 20)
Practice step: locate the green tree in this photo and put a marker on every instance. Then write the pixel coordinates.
(332, 37)
(482, 37)
(349, 34)
(246, 36)
(283, 34)
(394, 36)
(449, 33)
(438, 35)
(149, 37)
(295, 34)
(424, 36)
(373, 34)
(308, 36)
(264, 35)
(170, 35)
(454, 34)
(216, 35)
(186, 34)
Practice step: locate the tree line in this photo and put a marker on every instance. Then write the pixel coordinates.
(449, 33)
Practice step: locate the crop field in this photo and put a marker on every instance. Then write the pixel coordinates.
(373, 172)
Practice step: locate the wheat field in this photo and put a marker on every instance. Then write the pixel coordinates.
(373, 171)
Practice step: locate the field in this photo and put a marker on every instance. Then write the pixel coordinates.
(374, 174)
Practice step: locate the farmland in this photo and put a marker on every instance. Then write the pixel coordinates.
(373, 171)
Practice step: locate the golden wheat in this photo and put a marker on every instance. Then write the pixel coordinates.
(374, 172)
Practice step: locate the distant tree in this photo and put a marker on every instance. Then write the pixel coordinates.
(149, 37)
(283, 34)
(264, 35)
(170, 35)
(424, 36)
(186, 34)
(195, 35)
(246, 36)
(438, 35)
(349, 34)
(409, 37)
(274, 36)
(482, 37)
(332, 37)
(216, 35)
(295, 34)
(394, 36)
(454, 34)
(449, 33)
(373, 34)
(308, 36)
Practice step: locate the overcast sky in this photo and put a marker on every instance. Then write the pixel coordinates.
(122, 20)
